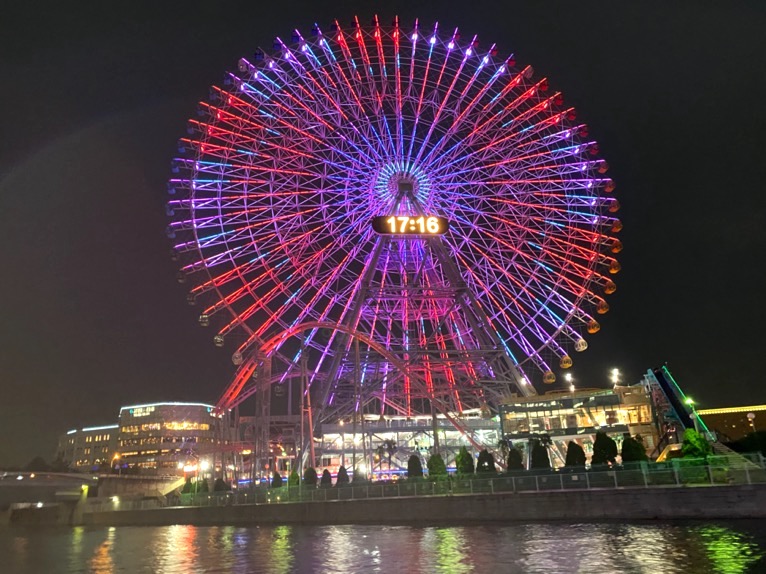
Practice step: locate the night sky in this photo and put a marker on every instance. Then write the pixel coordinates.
(94, 97)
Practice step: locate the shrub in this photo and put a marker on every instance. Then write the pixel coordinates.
(515, 460)
(414, 467)
(203, 486)
(575, 455)
(220, 486)
(695, 445)
(464, 462)
(276, 480)
(604, 449)
(294, 479)
(632, 450)
(486, 462)
(436, 466)
(310, 477)
(539, 456)
(326, 479)
(188, 486)
(342, 478)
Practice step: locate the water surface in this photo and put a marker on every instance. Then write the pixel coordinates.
(727, 547)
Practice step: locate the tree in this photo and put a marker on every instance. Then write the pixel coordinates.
(604, 449)
(486, 462)
(414, 467)
(326, 481)
(37, 464)
(464, 462)
(632, 450)
(294, 479)
(515, 460)
(695, 445)
(754, 442)
(310, 477)
(220, 485)
(188, 486)
(276, 480)
(342, 478)
(204, 486)
(60, 465)
(436, 467)
(575, 455)
(539, 455)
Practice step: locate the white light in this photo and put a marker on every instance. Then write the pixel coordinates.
(304, 48)
(414, 36)
(572, 388)
(19, 477)
(363, 468)
(433, 39)
(468, 52)
(485, 59)
(568, 377)
(204, 465)
(451, 45)
(39, 505)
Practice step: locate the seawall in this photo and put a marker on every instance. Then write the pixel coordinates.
(671, 503)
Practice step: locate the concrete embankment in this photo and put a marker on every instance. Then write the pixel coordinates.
(672, 503)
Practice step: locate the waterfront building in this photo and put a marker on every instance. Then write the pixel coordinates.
(577, 416)
(379, 447)
(733, 423)
(163, 438)
(88, 449)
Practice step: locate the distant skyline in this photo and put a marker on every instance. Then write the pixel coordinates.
(95, 99)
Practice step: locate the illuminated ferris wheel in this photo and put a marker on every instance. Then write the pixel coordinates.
(411, 221)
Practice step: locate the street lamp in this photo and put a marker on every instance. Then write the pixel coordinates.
(615, 377)
(569, 378)
(751, 418)
(689, 402)
(117, 460)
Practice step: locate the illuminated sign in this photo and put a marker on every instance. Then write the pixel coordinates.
(141, 411)
(410, 225)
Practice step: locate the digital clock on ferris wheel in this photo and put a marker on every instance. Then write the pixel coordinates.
(410, 225)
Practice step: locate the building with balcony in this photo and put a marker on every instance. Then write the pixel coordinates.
(577, 416)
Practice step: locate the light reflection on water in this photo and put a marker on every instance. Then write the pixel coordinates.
(721, 547)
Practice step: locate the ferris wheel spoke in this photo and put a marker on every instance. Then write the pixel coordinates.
(299, 149)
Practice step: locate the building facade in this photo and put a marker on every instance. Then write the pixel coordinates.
(577, 416)
(89, 449)
(163, 438)
(733, 423)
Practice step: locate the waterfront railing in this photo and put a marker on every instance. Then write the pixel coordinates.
(684, 472)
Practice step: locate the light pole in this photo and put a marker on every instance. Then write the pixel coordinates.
(751, 418)
(690, 403)
(615, 377)
(119, 466)
(569, 379)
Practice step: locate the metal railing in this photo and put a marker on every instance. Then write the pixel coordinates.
(673, 474)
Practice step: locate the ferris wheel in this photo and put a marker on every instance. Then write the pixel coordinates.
(413, 221)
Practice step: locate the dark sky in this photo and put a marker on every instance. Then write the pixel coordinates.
(95, 95)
